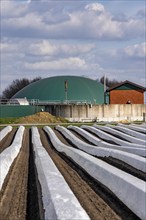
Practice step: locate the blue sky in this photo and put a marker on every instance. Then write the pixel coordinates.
(86, 38)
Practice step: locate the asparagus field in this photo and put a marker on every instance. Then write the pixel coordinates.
(79, 172)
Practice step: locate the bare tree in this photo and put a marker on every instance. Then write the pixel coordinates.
(109, 83)
(16, 86)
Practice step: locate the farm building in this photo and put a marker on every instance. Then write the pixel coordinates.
(80, 99)
(126, 93)
(60, 89)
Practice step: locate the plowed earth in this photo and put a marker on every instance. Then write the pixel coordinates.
(20, 197)
(13, 196)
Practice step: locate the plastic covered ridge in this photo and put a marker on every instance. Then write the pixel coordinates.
(9, 154)
(141, 151)
(135, 128)
(118, 181)
(5, 131)
(119, 141)
(134, 160)
(121, 134)
(58, 199)
(129, 131)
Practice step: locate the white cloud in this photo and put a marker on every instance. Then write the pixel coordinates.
(124, 54)
(28, 1)
(71, 63)
(86, 23)
(8, 47)
(32, 20)
(136, 50)
(95, 7)
(65, 37)
(13, 8)
(53, 49)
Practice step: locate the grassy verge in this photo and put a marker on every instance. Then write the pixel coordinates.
(8, 120)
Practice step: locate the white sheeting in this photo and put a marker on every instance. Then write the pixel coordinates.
(119, 182)
(131, 149)
(58, 199)
(135, 128)
(9, 154)
(131, 159)
(129, 131)
(121, 134)
(143, 125)
(119, 141)
(5, 131)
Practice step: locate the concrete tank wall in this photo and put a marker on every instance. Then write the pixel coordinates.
(112, 112)
(81, 113)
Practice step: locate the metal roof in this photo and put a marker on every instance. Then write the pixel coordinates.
(126, 82)
(62, 88)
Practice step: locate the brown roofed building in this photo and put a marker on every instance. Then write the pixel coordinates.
(126, 93)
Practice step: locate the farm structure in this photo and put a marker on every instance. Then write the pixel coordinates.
(78, 99)
(87, 172)
(64, 89)
(79, 112)
(126, 93)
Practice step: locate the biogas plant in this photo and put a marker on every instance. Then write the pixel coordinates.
(79, 99)
(64, 89)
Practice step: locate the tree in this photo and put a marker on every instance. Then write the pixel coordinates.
(16, 86)
(109, 83)
(35, 79)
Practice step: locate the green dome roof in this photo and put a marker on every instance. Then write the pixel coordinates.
(53, 89)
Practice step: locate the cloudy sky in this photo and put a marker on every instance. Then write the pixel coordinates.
(86, 38)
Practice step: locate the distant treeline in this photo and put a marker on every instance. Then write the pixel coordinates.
(16, 86)
(109, 83)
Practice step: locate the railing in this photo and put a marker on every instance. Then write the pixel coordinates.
(42, 102)
(18, 101)
(63, 102)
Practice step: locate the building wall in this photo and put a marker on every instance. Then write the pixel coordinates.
(123, 96)
(81, 113)
(114, 112)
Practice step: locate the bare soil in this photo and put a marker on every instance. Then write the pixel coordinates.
(95, 207)
(20, 197)
(97, 200)
(13, 196)
(40, 117)
(117, 163)
(6, 142)
(34, 199)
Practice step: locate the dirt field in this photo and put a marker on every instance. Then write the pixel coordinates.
(20, 197)
(13, 196)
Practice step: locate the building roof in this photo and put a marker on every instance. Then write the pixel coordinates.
(126, 82)
(61, 88)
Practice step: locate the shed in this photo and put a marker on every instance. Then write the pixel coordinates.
(126, 93)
